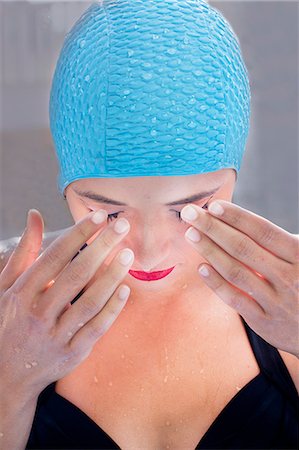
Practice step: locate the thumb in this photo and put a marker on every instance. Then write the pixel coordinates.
(26, 251)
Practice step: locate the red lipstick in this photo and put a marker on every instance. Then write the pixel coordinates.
(150, 276)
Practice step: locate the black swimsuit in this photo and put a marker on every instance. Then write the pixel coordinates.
(262, 415)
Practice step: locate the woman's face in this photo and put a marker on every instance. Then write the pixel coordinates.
(157, 234)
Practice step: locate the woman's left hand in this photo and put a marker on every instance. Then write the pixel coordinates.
(254, 269)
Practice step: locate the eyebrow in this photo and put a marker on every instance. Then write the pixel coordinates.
(101, 199)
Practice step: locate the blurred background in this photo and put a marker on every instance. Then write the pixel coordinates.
(32, 34)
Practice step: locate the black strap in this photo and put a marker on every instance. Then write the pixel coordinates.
(272, 365)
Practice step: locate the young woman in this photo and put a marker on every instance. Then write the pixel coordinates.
(149, 114)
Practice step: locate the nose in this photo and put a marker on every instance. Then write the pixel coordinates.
(151, 248)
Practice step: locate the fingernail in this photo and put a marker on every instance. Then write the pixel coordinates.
(189, 213)
(216, 209)
(28, 218)
(27, 223)
(29, 214)
(121, 226)
(203, 271)
(98, 217)
(193, 235)
(124, 292)
(125, 256)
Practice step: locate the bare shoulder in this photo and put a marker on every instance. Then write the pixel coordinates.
(292, 363)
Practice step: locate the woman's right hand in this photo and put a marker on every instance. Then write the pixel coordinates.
(42, 335)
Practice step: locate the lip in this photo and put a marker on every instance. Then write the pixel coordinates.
(150, 276)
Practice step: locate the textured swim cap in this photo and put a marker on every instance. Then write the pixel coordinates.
(149, 88)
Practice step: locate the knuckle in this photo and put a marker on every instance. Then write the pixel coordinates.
(243, 247)
(209, 224)
(79, 273)
(218, 284)
(88, 306)
(24, 246)
(267, 234)
(114, 307)
(39, 322)
(236, 274)
(81, 228)
(115, 274)
(96, 330)
(108, 240)
(54, 255)
(73, 352)
(236, 301)
(236, 219)
(113, 312)
(208, 251)
(288, 279)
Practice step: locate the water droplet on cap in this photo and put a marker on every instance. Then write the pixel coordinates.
(87, 78)
(147, 76)
(81, 43)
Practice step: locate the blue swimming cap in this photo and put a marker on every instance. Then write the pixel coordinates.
(149, 88)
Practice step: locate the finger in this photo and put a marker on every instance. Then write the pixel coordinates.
(239, 245)
(235, 272)
(84, 339)
(232, 296)
(77, 274)
(53, 260)
(270, 236)
(26, 252)
(96, 296)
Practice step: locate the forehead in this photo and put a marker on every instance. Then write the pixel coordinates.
(161, 187)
